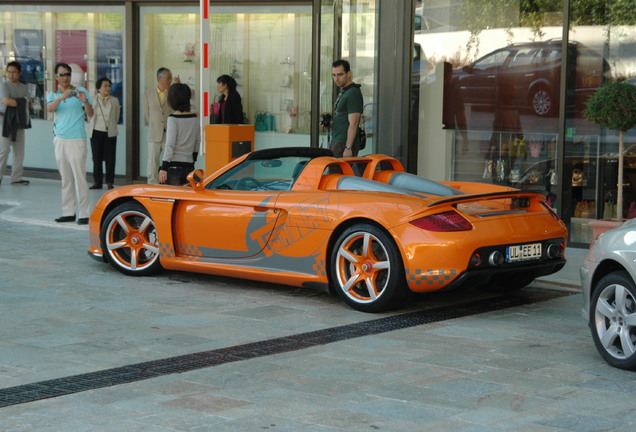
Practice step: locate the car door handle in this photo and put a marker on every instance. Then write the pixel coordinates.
(529, 74)
(261, 209)
(492, 76)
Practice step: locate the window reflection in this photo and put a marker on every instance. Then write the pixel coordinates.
(500, 75)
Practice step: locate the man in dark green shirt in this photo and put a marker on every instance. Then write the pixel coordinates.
(346, 113)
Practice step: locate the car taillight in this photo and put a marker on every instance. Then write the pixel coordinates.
(446, 221)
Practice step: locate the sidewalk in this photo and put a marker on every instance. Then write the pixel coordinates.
(39, 204)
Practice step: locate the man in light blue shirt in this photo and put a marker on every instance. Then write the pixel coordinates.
(71, 106)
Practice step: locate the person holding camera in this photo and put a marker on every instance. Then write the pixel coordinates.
(71, 106)
(347, 112)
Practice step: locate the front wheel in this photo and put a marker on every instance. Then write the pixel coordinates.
(367, 270)
(613, 319)
(129, 238)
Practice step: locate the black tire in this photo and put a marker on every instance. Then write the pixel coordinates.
(613, 319)
(129, 240)
(542, 102)
(367, 269)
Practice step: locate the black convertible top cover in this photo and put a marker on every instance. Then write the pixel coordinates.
(274, 153)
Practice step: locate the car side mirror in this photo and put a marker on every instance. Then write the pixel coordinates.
(195, 178)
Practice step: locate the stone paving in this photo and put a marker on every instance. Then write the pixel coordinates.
(526, 368)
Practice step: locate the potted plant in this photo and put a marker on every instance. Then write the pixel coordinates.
(613, 106)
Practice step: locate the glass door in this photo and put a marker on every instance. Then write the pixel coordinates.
(169, 38)
(268, 52)
(348, 31)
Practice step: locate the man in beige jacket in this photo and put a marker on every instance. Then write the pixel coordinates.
(156, 112)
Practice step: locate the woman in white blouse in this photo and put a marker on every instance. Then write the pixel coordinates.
(103, 133)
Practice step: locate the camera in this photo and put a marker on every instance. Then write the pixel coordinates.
(325, 119)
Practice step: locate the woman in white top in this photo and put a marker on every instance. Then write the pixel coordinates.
(103, 133)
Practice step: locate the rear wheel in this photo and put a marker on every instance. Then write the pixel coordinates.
(613, 319)
(129, 238)
(543, 103)
(367, 270)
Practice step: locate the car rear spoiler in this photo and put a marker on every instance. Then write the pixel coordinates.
(487, 196)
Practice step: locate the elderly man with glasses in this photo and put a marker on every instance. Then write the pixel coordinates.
(71, 106)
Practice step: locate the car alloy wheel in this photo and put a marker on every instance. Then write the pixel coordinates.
(129, 238)
(542, 102)
(613, 319)
(367, 270)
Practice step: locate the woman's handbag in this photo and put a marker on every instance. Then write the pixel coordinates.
(215, 113)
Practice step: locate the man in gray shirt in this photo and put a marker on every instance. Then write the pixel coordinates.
(14, 115)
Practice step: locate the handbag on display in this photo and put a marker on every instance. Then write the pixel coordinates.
(500, 170)
(488, 169)
(264, 121)
(609, 210)
(589, 210)
(362, 138)
(362, 134)
(518, 147)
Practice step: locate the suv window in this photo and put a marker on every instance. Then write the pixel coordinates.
(494, 60)
(523, 57)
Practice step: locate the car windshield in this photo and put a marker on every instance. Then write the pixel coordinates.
(262, 174)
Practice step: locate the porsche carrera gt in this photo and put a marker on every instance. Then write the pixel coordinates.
(360, 227)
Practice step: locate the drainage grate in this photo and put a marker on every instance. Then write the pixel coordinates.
(189, 362)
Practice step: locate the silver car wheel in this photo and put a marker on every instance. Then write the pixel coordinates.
(613, 318)
(366, 269)
(541, 102)
(129, 238)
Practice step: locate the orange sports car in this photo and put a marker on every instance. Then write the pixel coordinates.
(361, 227)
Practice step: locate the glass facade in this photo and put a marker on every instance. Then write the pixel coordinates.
(170, 38)
(268, 50)
(488, 97)
(514, 86)
(41, 36)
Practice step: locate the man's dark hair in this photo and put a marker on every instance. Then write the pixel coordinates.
(101, 81)
(179, 97)
(345, 64)
(15, 64)
(62, 65)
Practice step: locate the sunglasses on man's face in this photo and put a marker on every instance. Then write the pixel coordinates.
(68, 74)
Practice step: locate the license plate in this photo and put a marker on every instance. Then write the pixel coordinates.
(523, 252)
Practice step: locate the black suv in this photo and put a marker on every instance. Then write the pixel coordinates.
(528, 75)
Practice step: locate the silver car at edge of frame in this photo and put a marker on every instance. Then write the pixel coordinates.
(608, 273)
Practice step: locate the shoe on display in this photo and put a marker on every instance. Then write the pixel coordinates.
(95, 186)
(21, 182)
(82, 221)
